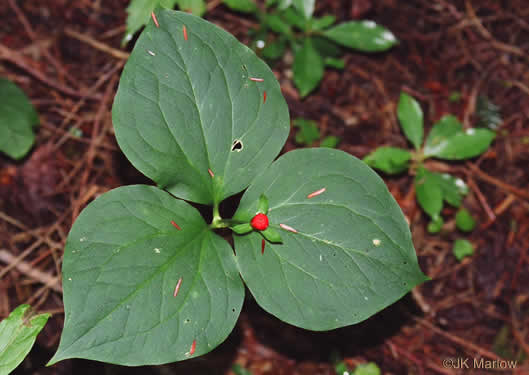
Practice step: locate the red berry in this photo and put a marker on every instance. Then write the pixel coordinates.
(259, 222)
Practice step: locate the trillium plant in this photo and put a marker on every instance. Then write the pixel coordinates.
(319, 240)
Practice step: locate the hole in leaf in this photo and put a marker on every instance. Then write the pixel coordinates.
(237, 145)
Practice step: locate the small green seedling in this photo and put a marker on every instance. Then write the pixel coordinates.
(18, 120)
(319, 240)
(315, 41)
(448, 141)
(18, 333)
(462, 248)
(308, 133)
(239, 370)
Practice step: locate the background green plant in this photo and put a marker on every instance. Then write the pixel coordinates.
(308, 133)
(18, 120)
(316, 42)
(447, 140)
(18, 333)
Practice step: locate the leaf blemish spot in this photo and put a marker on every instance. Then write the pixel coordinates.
(288, 228)
(175, 225)
(211, 173)
(177, 288)
(151, 53)
(237, 145)
(316, 193)
(184, 30)
(264, 97)
(262, 245)
(82, 239)
(377, 242)
(156, 250)
(154, 19)
(256, 79)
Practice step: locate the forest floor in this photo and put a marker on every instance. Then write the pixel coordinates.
(66, 56)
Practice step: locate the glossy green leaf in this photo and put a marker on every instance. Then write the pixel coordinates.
(18, 333)
(463, 145)
(334, 63)
(122, 262)
(462, 248)
(429, 193)
(411, 120)
(308, 132)
(17, 120)
(307, 68)
(364, 36)
(245, 6)
(181, 105)
(305, 6)
(464, 220)
(322, 22)
(445, 128)
(391, 160)
(326, 47)
(330, 141)
(454, 189)
(435, 225)
(351, 255)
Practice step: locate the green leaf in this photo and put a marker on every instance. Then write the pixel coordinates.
(462, 248)
(364, 36)
(307, 68)
(464, 220)
(322, 22)
(294, 18)
(334, 63)
(410, 117)
(139, 13)
(18, 333)
(352, 254)
(245, 6)
(275, 23)
(272, 235)
(367, 369)
(242, 228)
(308, 131)
(196, 7)
(305, 6)
(454, 189)
(330, 141)
(429, 193)
(341, 368)
(17, 120)
(435, 225)
(263, 204)
(326, 47)
(181, 105)
(463, 145)
(445, 128)
(122, 262)
(274, 50)
(391, 160)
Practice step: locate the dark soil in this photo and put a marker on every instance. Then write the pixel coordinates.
(477, 308)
